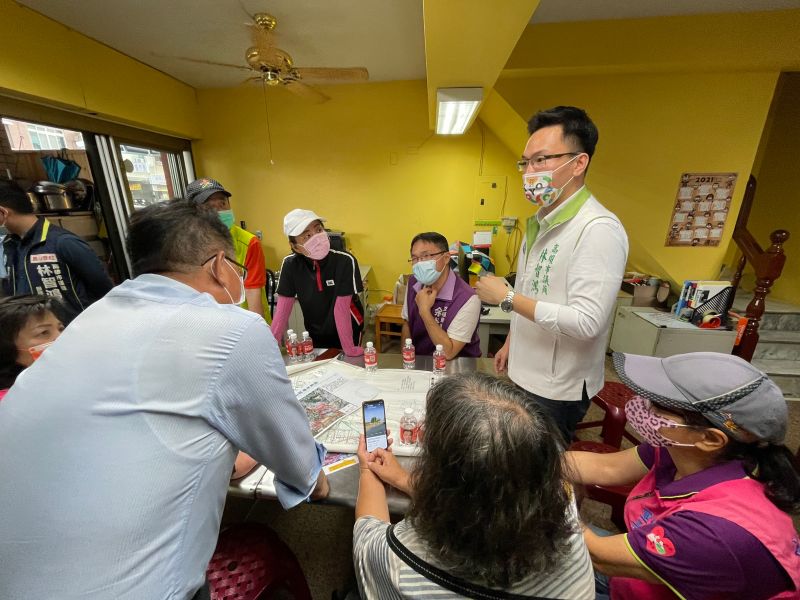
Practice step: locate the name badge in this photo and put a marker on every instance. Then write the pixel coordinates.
(43, 258)
(329, 282)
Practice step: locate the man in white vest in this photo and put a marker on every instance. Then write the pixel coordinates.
(569, 271)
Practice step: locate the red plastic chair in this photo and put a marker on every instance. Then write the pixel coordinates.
(252, 563)
(611, 399)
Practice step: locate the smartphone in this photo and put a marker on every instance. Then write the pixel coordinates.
(374, 414)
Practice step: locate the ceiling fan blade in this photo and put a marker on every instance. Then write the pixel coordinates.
(322, 73)
(206, 62)
(306, 91)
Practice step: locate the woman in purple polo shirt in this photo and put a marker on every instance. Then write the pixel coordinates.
(440, 308)
(708, 515)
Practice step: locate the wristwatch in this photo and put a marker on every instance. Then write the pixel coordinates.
(507, 305)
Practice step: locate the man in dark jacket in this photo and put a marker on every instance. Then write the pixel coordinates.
(42, 258)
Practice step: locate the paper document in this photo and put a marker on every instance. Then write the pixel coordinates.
(662, 319)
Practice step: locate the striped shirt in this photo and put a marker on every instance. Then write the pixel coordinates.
(382, 574)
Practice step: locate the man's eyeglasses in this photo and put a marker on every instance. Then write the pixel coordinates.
(415, 259)
(240, 268)
(540, 162)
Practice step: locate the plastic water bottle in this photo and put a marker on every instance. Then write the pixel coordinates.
(308, 347)
(289, 333)
(408, 427)
(409, 355)
(370, 358)
(439, 360)
(293, 349)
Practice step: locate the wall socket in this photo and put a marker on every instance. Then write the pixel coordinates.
(509, 223)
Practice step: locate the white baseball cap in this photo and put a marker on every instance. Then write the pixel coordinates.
(297, 220)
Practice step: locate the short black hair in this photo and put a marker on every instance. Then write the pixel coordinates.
(577, 127)
(15, 312)
(175, 236)
(437, 239)
(15, 198)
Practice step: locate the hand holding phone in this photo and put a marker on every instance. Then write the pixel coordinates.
(374, 417)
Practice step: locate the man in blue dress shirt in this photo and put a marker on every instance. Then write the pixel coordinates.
(117, 445)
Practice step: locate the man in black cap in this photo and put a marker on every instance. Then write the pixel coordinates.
(210, 194)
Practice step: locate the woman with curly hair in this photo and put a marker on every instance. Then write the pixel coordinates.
(490, 515)
(25, 322)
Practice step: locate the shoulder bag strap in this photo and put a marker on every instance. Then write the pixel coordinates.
(444, 579)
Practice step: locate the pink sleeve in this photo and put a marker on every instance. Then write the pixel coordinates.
(281, 318)
(344, 326)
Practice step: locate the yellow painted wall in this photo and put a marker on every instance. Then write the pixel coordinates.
(47, 62)
(652, 129)
(365, 160)
(777, 201)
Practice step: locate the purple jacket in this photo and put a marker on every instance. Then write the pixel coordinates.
(453, 295)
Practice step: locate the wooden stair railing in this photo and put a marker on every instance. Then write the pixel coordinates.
(767, 265)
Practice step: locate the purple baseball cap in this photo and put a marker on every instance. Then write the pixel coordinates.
(727, 390)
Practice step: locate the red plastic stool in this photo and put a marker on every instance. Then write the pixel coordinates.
(613, 495)
(612, 399)
(252, 563)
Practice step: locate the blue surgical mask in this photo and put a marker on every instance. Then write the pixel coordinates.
(425, 272)
(226, 216)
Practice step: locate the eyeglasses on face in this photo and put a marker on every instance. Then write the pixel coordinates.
(415, 259)
(241, 270)
(539, 163)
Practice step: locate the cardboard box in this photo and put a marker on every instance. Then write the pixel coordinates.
(643, 295)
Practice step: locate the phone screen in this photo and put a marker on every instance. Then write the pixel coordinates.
(374, 424)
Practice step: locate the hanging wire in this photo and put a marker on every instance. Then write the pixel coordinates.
(266, 118)
(245, 11)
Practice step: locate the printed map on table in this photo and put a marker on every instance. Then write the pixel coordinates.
(352, 385)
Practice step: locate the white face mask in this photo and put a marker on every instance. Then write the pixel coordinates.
(242, 297)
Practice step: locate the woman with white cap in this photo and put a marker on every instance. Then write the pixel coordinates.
(325, 281)
(707, 517)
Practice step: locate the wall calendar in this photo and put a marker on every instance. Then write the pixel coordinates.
(701, 209)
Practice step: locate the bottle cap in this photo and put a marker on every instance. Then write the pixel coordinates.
(370, 344)
(439, 347)
(305, 333)
(293, 337)
(408, 341)
(408, 411)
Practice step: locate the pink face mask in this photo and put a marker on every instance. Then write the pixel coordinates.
(317, 246)
(648, 424)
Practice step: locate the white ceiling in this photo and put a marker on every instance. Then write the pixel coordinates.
(559, 11)
(386, 36)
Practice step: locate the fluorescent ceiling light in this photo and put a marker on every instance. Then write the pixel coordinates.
(456, 109)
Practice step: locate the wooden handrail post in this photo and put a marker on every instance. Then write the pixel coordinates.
(768, 266)
(737, 276)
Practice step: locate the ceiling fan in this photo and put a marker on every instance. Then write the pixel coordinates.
(273, 66)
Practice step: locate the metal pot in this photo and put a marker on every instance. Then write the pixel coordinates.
(53, 195)
(36, 203)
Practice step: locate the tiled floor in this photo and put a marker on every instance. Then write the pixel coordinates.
(321, 536)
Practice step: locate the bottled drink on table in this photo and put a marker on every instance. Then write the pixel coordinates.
(370, 358)
(289, 333)
(409, 355)
(293, 349)
(308, 347)
(439, 360)
(408, 427)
